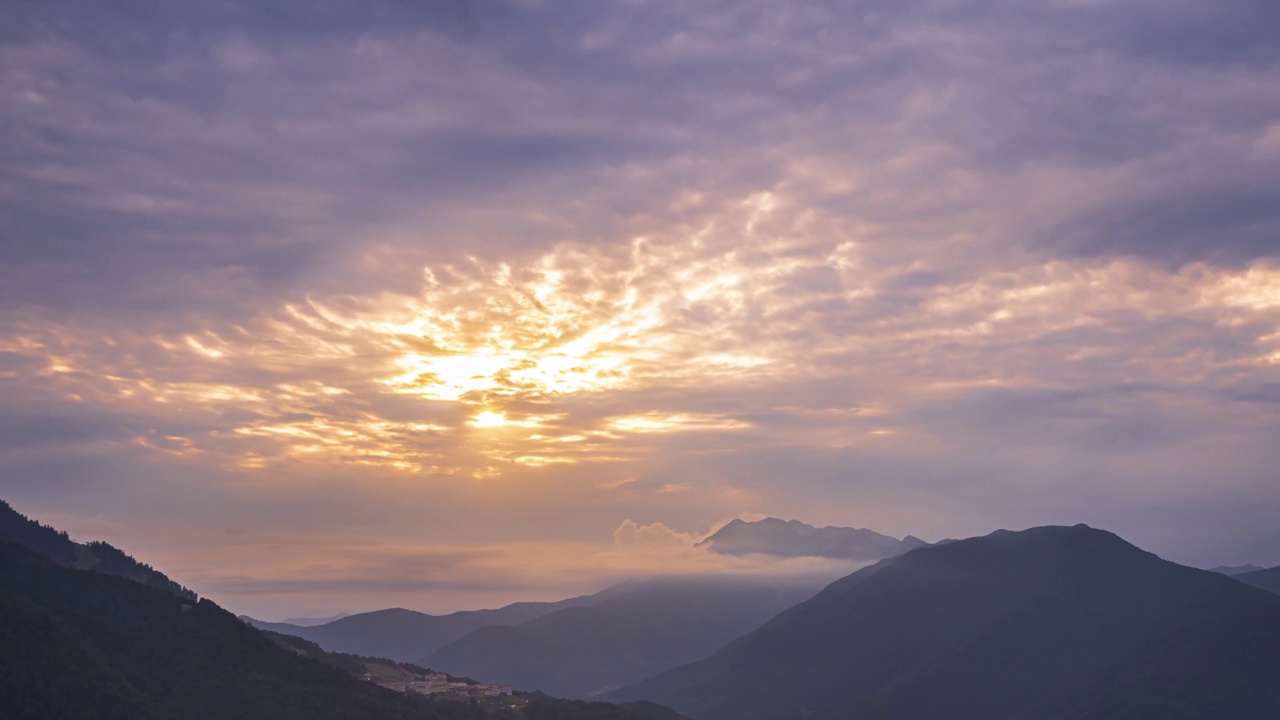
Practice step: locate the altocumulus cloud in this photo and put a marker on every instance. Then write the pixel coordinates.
(505, 274)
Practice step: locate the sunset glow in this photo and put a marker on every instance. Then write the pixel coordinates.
(489, 419)
(436, 306)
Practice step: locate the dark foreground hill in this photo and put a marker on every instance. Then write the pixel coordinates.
(80, 645)
(792, 538)
(406, 635)
(640, 629)
(99, 556)
(76, 644)
(1053, 623)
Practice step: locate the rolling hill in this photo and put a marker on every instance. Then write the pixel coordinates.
(1268, 580)
(1053, 623)
(641, 629)
(406, 635)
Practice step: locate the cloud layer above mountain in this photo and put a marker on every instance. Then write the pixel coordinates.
(464, 274)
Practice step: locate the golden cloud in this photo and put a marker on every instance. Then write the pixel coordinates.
(506, 367)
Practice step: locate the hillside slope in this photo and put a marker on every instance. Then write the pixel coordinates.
(99, 556)
(81, 645)
(1268, 580)
(406, 635)
(1052, 623)
(76, 644)
(642, 629)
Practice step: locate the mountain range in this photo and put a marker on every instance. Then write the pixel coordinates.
(407, 635)
(1268, 580)
(311, 622)
(410, 636)
(1052, 623)
(80, 644)
(637, 630)
(792, 538)
(1234, 570)
(84, 644)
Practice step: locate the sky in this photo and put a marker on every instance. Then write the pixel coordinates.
(332, 305)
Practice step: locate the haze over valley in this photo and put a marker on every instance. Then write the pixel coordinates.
(1061, 622)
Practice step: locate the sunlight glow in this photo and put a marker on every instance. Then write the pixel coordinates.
(658, 423)
(339, 379)
(489, 419)
(1258, 288)
(366, 441)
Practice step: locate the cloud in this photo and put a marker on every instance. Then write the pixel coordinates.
(919, 266)
(629, 533)
(656, 550)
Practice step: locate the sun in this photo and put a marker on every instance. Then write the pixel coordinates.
(489, 419)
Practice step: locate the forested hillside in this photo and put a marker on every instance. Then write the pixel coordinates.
(57, 546)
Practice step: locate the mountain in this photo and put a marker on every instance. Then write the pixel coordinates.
(1268, 580)
(85, 645)
(1234, 570)
(76, 644)
(351, 664)
(406, 635)
(792, 538)
(544, 707)
(98, 556)
(642, 628)
(312, 622)
(1053, 623)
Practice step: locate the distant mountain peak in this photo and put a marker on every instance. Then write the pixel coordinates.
(1052, 622)
(793, 538)
(1234, 570)
(1265, 579)
(312, 622)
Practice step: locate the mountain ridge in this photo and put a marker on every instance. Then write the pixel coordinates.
(1268, 579)
(642, 628)
(1233, 570)
(99, 556)
(793, 538)
(406, 635)
(81, 644)
(1051, 623)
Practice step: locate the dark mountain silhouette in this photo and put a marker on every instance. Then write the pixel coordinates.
(1268, 580)
(544, 707)
(1234, 570)
(1053, 623)
(76, 644)
(350, 664)
(85, 645)
(792, 538)
(406, 635)
(312, 622)
(99, 556)
(641, 629)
